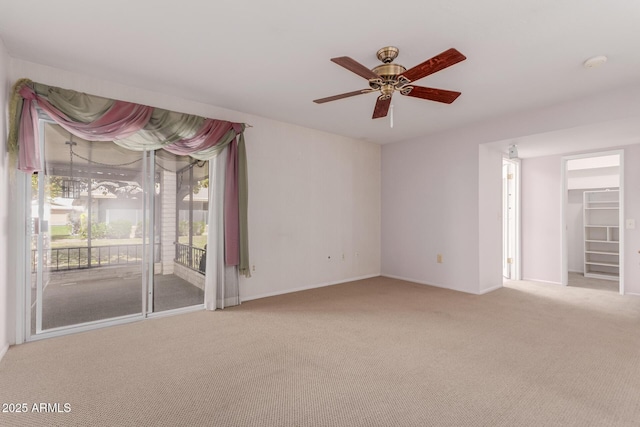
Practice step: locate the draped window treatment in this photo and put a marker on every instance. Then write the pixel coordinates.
(221, 282)
(140, 128)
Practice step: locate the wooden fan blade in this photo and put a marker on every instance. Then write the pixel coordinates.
(437, 63)
(382, 108)
(355, 67)
(439, 95)
(342, 95)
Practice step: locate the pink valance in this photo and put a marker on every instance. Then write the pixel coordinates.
(208, 136)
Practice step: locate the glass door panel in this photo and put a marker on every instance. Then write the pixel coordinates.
(87, 246)
(181, 224)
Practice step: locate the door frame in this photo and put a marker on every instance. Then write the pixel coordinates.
(516, 272)
(565, 196)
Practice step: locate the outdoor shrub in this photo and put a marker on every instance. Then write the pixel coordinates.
(198, 228)
(73, 220)
(98, 230)
(119, 229)
(183, 228)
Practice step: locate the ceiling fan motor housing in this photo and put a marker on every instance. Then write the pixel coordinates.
(388, 72)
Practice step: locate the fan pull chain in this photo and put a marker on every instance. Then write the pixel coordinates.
(391, 118)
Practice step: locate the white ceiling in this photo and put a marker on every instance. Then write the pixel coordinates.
(272, 58)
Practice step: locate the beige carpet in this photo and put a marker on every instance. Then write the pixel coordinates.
(579, 281)
(377, 352)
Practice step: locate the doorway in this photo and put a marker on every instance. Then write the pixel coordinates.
(593, 221)
(510, 219)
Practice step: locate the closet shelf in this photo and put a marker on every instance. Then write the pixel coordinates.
(601, 234)
(608, 264)
(602, 252)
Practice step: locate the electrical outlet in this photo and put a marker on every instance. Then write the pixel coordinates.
(253, 268)
(439, 258)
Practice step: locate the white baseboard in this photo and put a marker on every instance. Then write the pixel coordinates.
(542, 281)
(421, 282)
(486, 291)
(633, 294)
(4, 350)
(306, 288)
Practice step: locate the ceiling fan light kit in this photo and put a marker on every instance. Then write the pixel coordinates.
(389, 77)
(595, 62)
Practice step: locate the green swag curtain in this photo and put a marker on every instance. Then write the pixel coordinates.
(140, 128)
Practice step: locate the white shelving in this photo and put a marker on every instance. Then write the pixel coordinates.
(601, 234)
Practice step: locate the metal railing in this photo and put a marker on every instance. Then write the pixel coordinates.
(58, 259)
(191, 257)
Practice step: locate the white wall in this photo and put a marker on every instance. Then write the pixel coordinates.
(541, 219)
(5, 309)
(431, 201)
(312, 195)
(490, 217)
(314, 209)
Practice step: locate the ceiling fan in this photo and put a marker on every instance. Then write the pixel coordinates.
(389, 77)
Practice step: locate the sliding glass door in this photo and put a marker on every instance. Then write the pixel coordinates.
(105, 234)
